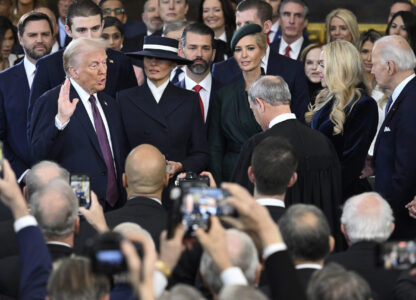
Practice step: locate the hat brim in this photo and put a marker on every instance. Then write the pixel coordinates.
(161, 55)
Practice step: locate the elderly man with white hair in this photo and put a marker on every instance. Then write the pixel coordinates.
(394, 152)
(367, 220)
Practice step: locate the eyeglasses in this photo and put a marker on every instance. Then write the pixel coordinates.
(117, 11)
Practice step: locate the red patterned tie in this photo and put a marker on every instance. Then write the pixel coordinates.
(197, 88)
(287, 51)
(112, 191)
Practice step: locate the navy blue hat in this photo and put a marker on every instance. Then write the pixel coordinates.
(242, 32)
(160, 47)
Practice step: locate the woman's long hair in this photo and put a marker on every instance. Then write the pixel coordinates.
(409, 21)
(229, 17)
(343, 73)
(349, 19)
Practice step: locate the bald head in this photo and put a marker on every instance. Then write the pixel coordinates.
(395, 48)
(145, 170)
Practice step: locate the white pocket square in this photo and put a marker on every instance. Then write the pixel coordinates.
(387, 129)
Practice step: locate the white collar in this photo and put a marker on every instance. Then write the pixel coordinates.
(157, 91)
(270, 202)
(222, 37)
(281, 118)
(206, 83)
(59, 243)
(295, 47)
(308, 266)
(400, 87)
(265, 60)
(148, 33)
(83, 94)
(275, 27)
(30, 68)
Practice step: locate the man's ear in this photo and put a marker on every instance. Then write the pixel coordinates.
(250, 174)
(260, 105)
(214, 51)
(25, 193)
(293, 179)
(166, 181)
(305, 23)
(331, 242)
(20, 39)
(124, 180)
(180, 51)
(267, 27)
(186, 8)
(76, 227)
(68, 31)
(73, 72)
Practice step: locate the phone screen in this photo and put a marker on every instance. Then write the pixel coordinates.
(81, 186)
(397, 255)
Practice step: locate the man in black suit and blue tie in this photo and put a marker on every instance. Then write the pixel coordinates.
(86, 137)
(35, 36)
(196, 44)
(394, 152)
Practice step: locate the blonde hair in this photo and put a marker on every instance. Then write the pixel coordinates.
(349, 19)
(343, 73)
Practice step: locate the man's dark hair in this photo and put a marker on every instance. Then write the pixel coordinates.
(306, 232)
(273, 161)
(264, 9)
(32, 16)
(412, 6)
(82, 8)
(113, 21)
(197, 28)
(300, 2)
(333, 282)
(100, 4)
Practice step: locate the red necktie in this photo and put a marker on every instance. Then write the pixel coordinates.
(287, 51)
(197, 88)
(268, 39)
(112, 191)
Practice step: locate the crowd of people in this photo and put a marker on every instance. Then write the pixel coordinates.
(311, 143)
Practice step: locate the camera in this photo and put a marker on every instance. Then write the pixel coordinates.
(192, 179)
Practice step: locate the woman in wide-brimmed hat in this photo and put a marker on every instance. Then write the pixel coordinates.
(163, 115)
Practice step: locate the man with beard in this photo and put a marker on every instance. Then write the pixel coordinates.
(35, 36)
(196, 44)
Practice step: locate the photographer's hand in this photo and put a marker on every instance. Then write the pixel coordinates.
(212, 183)
(175, 167)
(95, 214)
(171, 249)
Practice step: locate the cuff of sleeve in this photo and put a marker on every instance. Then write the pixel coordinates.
(22, 176)
(24, 222)
(273, 248)
(233, 276)
(59, 125)
(160, 282)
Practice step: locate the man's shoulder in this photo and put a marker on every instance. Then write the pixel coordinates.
(116, 56)
(16, 69)
(284, 62)
(51, 58)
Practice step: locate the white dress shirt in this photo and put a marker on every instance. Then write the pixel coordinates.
(281, 118)
(30, 69)
(181, 75)
(205, 92)
(157, 92)
(273, 31)
(270, 202)
(294, 47)
(62, 33)
(265, 60)
(55, 47)
(308, 266)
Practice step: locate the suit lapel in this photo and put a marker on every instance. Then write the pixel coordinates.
(22, 78)
(82, 116)
(170, 101)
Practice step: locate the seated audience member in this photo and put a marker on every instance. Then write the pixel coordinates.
(8, 39)
(241, 292)
(310, 59)
(400, 5)
(144, 179)
(308, 238)
(403, 23)
(271, 154)
(341, 25)
(242, 254)
(367, 220)
(333, 282)
(113, 33)
(318, 172)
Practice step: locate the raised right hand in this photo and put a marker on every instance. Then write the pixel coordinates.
(66, 108)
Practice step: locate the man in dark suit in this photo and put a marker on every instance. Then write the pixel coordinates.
(145, 178)
(273, 153)
(394, 159)
(35, 35)
(86, 137)
(84, 19)
(196, 44)
(318, 173)
(308, 238)
(260, 12)
(293, 19)
(367, 220)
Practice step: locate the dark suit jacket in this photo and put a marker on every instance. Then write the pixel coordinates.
(275, 212)
(14, 99)
(135, 43)
(352, 145)
(319, 172)
(143, 211)
(292, 72)
(215, 87)
(76, 148)
(405, 287)
(305, 43)
(305, 275)
(395, 161)
(36, 263)
(361, 257)
(174, 125)
(282, 278)
(50, 73)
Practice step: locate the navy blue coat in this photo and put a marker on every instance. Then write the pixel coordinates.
(50, 73)
(292, 72)
(14, 99)
(215, 87)
(352, 145)
(76, 148)
(395, 159)
(174, 125)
